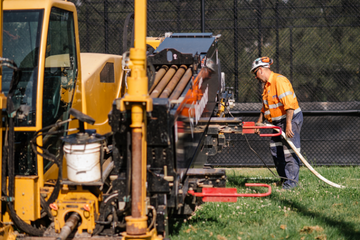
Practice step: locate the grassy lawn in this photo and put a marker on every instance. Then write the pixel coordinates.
(314, 210)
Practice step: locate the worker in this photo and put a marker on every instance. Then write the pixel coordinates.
(280, 107)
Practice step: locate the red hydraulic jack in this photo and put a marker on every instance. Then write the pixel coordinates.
(230, 194)
(249, 128)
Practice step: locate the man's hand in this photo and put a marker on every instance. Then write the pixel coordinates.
(289, 115)
(257, 131)
(289, 133)
(259, 122)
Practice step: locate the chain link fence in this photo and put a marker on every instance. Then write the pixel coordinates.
(313, 43)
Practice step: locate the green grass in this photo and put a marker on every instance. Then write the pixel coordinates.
(314, 210)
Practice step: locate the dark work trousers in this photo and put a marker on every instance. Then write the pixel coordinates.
(287, 163)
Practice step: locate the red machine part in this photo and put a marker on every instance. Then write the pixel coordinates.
(228, 194)
(249, 128)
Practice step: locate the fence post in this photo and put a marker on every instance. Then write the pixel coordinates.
(277, 36)
(236, 50)
(202, 15)
(87, 23)
(259, 18)
(178, 23)
(106, 26)
(291, 53)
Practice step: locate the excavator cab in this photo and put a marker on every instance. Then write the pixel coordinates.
(47, 78)
(42, 93)
(22, 43)
(60, 66)
(41, 40)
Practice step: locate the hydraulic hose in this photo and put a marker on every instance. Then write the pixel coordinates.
(47, 155)
(103, 214)
(153, 221)
(266, 164)
(306, 113)
(318, 175)
(11, 188)
(11, 158)
(46, 208)
(125, 32)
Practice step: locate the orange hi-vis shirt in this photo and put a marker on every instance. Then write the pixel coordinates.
(278, 96)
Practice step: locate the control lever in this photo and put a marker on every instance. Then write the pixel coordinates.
(82, 118)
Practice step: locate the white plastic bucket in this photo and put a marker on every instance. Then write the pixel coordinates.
(83, 162)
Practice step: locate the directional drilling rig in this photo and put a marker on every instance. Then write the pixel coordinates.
(92, 146)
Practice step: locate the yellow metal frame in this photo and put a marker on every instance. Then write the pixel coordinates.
(150, 235)
(80, 201)
(27, 196)
(154, 41)
(78, 100)
(32, 211)
(137, 100)
(7, 232)
(98, 95)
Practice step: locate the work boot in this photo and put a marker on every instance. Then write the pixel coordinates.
(288, 187)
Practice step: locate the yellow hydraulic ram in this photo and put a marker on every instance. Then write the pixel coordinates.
(138, 101)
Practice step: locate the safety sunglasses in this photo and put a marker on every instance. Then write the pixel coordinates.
(255, 72)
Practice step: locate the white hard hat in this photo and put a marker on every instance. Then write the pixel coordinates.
(210, 64)
(261, 62)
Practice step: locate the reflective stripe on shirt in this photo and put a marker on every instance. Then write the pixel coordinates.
(278, 96)
(272, 106)
(285, 94)
(284, 116)
(278, 118)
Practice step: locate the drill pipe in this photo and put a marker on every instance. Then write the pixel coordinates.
(164, 81)
(182, 84)
(173, 82)
(136, 174)
(69, 226)
(159, 75)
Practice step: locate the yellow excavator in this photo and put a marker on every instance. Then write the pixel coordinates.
(91, 146)
(44, 76)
